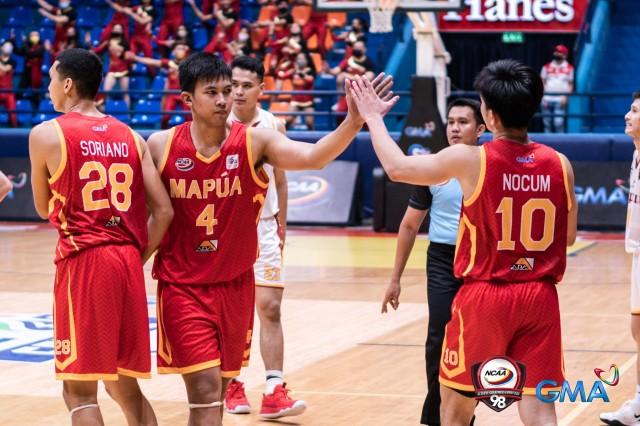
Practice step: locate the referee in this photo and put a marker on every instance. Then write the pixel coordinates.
(464, 125)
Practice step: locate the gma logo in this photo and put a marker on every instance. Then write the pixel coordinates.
(578, 393)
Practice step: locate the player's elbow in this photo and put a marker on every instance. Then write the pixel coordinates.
(164, 213)
(571, 238)
(396, 173)
(43, 211)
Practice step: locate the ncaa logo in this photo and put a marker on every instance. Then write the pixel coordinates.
(498, 382)
(498, 373)
(184, 164)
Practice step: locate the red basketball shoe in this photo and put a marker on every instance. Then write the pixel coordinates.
(235, 401)
(279, 404)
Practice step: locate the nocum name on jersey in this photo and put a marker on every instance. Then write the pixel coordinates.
(533, 183)
(221, 186)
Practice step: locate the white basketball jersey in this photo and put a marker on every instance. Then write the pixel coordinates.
(632, 231)
(266, 120)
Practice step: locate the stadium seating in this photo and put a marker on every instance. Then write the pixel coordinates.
(147, 114)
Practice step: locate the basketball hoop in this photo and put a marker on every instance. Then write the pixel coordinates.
(381, 13)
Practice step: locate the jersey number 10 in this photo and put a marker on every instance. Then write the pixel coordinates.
(505, 209)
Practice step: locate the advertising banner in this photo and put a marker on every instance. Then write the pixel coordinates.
(547, 16)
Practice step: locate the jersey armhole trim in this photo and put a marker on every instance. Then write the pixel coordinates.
(167, 149)
(63, 153)
(480, 184)
(566, 181)
(136, 140)
(261, 183)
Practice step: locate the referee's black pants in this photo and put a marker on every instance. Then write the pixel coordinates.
(442, 287)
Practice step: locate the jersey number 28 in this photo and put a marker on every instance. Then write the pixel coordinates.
(119, 175)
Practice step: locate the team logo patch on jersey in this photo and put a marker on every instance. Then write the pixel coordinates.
(184, 164)
(207, 246)
(527, 159)
(523, 264)
(114, 221)
(232, 161)
(102, 128)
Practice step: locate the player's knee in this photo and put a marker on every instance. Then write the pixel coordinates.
(270, 310)
(119, 389)
(75, 395)
(204, 390)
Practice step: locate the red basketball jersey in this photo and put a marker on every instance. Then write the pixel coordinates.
(514, 226)
(216, 203)
(97, 193)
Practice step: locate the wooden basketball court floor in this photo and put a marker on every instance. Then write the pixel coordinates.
(351, 364)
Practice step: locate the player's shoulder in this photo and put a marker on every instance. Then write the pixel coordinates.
(159, 142)
(45, 132)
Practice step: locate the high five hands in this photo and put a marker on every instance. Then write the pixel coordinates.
(369, 100)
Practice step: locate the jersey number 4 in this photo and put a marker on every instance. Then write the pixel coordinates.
(505, 209)
(119, 175)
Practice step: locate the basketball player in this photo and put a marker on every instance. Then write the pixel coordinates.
(204, 265)
(247, 76)
(518, 216)
(465, 126)
(90, 174)
(629, 413)
(5, 186)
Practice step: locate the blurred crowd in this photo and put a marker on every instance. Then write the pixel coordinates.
(292, 38)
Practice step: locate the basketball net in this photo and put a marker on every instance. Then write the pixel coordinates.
(381, 13)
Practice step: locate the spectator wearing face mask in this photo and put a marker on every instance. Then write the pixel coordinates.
(182, 36)
(304, 77)
(116, 47)
(358, 32)
(32, 50)
(119, 18)
(242, 46)
(64, 17)
(7, 67)
(358, 64)
(557, 77)
(170, 101)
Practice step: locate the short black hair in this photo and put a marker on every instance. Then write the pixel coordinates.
(636, 95)
(84, 68)
(250, 64)
(469, 103)
(201, 66)
(512, 90)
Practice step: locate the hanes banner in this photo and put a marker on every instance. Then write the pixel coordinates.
(516, 15)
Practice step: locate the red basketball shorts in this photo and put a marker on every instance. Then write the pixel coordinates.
(101, 323)
(521, 321)
(205, 325)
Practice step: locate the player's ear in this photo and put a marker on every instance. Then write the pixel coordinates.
(480, 130)
(187, 98)
(68, 83)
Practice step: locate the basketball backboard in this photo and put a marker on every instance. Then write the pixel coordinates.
(405, 5)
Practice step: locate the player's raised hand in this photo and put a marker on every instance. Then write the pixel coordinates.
(382, 85)
(392, 296)
(368, 103)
